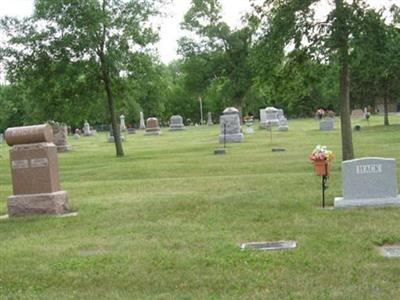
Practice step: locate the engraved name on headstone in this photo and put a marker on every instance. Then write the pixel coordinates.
(370, 181)
(34, 169)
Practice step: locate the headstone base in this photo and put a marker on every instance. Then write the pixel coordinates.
(231, 138)
(32, 204)
(64, 148)
(180, 128)
(265, 125)
(340, 202)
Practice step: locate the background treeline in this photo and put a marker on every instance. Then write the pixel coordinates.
(267, 62)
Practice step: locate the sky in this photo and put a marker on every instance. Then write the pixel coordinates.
(170, 30)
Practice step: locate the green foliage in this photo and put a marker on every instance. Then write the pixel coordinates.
(70, 55)
(222, 53)
(375, 60)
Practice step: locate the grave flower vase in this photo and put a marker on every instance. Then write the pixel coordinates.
(322, 167)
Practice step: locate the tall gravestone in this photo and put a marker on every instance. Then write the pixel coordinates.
(122, 125)
(86, 129)
(230, 126)
(176, 123)
(209, 119)
(34, 168)
(60, 133)
(142, 125)
(153, 128)
(370, 181)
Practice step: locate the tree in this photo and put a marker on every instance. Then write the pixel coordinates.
(375, 61)
(292, 23)
(341, 31)
(228, 49)
(103, 35)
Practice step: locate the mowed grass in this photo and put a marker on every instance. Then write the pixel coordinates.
(166, 221)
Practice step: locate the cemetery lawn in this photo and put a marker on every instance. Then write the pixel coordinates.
(166, 221)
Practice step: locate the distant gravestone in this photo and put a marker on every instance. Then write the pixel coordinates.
(283, 124)
(272, 115)
(269, 117)
(230, 122)
(209, 120)
(122, 124)
(357, 114)
(152, 127)
(326, 124)
(86, 129)
(60, 133)
(131, 130)
(370, 181)
(176, 123)
(142, 125)
(249, 123)
(34, 168)
(111, 138)
(263, 118)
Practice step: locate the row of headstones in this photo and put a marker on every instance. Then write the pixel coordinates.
(328, 123)
(176, 122)
(36, 186)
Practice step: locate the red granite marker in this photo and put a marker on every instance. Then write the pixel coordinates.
(34, 167)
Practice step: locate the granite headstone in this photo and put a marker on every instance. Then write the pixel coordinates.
(326, 124)
(34, 168)
(153, 127)
(370, 181)
(230, 122)
(176, 123)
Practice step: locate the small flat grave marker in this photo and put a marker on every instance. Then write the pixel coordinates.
(390, 250)
(220, 151)
(274, 245)
(278, 149)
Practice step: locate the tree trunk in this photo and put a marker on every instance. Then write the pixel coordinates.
(342, 43)
(111, 106)
(385, 106)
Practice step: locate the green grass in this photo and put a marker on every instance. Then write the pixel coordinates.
(166, 222)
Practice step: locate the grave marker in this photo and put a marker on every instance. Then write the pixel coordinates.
(34, 168)
(370, 181)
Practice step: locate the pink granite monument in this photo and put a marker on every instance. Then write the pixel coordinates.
(34, 168)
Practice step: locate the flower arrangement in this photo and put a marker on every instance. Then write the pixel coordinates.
(321, 153)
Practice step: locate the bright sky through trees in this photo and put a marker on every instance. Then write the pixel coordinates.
(170, 31)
